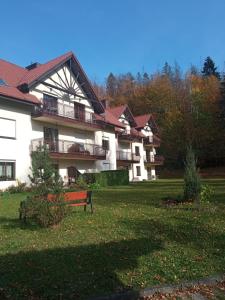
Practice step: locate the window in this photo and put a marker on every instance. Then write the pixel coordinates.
(2, 82)
(7, 128)
(137, 151)
(105, 144)
(50, 104)
(7, 170)
(106, 166)
(138, 169)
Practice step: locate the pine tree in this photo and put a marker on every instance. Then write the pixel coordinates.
(192, 183)
(209, 68)
(167, 70)
(145, 78)
(111, 85)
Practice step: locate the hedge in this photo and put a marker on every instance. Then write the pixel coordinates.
(108, 178)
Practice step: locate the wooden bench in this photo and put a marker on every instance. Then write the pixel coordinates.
(82, 198)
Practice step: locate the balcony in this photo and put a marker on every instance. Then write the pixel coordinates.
(152, 141)
(126, 157)
(131, 136)
(63, 149)
(65, 115)
(154, 160)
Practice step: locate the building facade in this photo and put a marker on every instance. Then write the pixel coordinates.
(54, 104)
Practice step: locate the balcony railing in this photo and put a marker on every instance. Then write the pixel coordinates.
(66, 111)
(152, 141)
(70, 148)
(154, 159)
(129, 136)
(127, 156)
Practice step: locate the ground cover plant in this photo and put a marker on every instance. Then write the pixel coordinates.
(130, 242)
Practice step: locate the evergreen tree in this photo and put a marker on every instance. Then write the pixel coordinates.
(139, 78)
(167, 70)
(145, 78)
(192, 183)
(209, 68)
(111, 85)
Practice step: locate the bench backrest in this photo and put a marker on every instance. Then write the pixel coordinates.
(71, 196)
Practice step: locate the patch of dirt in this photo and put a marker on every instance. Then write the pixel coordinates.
(207, 291)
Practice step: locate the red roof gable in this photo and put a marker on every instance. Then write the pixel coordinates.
(142, 120)
(41, 69)
(117, 111)
(19, 79)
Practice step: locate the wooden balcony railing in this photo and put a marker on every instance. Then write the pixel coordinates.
(154, 159)
(66, 111)
(152, 141)
(69, 147)
(127, 156)
(129, 136)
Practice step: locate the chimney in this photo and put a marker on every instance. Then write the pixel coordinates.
(32, 66)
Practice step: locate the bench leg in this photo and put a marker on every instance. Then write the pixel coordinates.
(91, 206)
(85, 207)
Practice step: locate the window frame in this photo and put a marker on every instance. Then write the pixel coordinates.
(105, 147)
(5, 163)
(137, 150)
(9, 137)
(138, 170)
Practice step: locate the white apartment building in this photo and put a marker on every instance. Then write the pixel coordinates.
(54, 104)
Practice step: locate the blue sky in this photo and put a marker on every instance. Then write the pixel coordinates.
(116, 35)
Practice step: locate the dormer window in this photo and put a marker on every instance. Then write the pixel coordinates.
(2, 82)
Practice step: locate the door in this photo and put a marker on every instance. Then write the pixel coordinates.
(79, 111)
(73, 174)
(51, 139)
(50, 104)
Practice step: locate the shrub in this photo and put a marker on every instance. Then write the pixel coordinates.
(43, 212)
(192, 183)
(18, 188)
(108, 178)
(81, 182)
(45, 181)
(206, 194)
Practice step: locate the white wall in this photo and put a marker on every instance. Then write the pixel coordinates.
(110, 160)
(16, 150)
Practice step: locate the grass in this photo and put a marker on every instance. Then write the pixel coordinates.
(130, 242)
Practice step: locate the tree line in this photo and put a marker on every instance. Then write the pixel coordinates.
(189, 108)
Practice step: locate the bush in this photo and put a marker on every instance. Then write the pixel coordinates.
(192, 183)
(108, 178)
(45, 181)
(206, 194)
(81, 182)
(18, 188)
(43, 212)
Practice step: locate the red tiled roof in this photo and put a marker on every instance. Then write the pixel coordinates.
(15, 76)
(41, 69)
(13, 92)
(11, 73)
(142, 120)
(109, 119)
(117, 111)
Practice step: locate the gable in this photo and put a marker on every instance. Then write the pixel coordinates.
(62, 84)
(63, 75)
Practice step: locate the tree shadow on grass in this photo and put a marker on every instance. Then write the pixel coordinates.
(15, 223)
(76, 272)
(185, 231)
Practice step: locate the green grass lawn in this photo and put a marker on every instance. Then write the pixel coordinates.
(130, 242)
